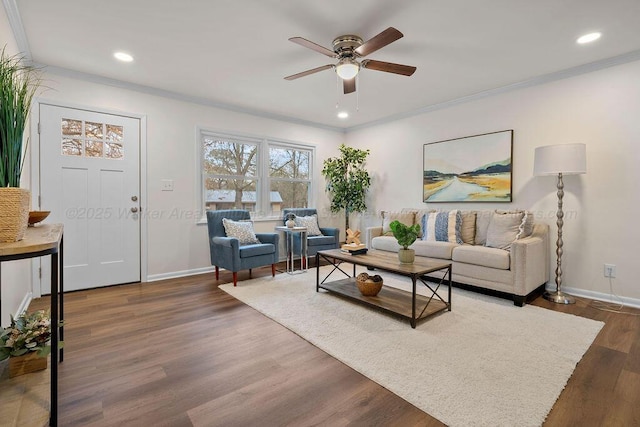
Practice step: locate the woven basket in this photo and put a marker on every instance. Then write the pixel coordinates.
(14, 213)
(368, 288)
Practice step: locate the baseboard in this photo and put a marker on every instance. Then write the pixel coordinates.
(629, 302)
(176, 274)
(24, 304)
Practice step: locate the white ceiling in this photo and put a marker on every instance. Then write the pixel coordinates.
(236, 53)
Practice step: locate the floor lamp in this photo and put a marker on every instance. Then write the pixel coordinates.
(565, 159)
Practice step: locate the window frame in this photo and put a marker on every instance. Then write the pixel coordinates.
(263, 178)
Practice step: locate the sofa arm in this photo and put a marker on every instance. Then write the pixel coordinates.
(372, 232)
(529, 263)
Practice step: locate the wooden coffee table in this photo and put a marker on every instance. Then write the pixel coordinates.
(391, 300)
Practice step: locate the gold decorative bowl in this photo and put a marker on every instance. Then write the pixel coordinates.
(37, 216)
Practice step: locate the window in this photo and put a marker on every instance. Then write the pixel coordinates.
(260, 175)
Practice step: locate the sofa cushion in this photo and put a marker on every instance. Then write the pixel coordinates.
(481, 255)
(241, 230)
(385, 243)
(388, 217)
(311, 222)
(505, 228)
(440, 250)
(442, 226)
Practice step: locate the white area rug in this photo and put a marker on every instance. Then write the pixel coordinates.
(485, 363)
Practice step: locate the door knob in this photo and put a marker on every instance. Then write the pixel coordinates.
(134, 209)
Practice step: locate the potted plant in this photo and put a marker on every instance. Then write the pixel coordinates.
(347, 181)
(18, 84)
(405, 235)
(27, 342)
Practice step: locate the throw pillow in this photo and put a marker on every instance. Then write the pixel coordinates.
(311, 222)
(241, 230)
(505, 228)
(483, 218)
(468, 228)
(406, 218)
(442, 226)
(528, 221)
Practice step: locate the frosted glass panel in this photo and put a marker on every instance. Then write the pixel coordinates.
(71, 147)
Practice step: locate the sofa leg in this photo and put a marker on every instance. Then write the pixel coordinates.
(273, 270)
(519, 300)
(371, 268)
(235, 278)
(217, 272)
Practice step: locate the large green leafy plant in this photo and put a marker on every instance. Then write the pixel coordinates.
(18, 84)
(347, 181)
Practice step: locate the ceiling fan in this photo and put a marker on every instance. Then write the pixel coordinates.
(348, 49)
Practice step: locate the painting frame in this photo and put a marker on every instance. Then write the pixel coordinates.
(471, 169)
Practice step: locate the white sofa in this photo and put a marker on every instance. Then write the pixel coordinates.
(518, 272)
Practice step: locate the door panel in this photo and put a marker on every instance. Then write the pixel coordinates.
(89, 172)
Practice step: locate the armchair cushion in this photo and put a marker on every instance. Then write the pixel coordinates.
(248, 251)
(241, 230)
(320, 240)
(311, 222)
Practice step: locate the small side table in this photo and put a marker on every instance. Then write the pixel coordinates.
(45, 239)
(289, 233)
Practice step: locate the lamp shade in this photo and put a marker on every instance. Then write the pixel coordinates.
(567, 159)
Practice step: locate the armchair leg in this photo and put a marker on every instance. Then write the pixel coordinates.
(217, 272)
(304, 262)
(273, 270)
(235, 278)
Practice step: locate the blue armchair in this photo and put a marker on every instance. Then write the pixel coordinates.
(226, 252)
(329, 239)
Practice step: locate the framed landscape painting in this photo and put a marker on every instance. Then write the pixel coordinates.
(471, 169)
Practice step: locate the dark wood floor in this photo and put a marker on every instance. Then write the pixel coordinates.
(182, 352)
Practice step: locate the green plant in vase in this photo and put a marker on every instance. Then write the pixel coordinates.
(18, 84)
(405, 235)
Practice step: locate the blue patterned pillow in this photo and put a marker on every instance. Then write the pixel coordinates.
(442, 226)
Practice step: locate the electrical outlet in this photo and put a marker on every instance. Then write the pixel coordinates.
(610, 270)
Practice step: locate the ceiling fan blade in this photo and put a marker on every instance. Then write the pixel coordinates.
(349, 85)
(378, 42)
(313, 46)
(388, 67)
(306, 73)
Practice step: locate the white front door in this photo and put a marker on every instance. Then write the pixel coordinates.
(90, 181)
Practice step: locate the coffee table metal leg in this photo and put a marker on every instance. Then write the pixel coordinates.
(413, 303)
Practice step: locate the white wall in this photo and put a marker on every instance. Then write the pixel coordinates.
(600, 109)
(16, 275)
(178, 245)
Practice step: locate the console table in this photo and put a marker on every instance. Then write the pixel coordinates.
(42, 240)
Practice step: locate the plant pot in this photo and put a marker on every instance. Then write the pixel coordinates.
(29, 362)
(406, 256)
(14, 213)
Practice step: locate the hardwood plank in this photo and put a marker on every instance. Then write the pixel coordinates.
(181, 352)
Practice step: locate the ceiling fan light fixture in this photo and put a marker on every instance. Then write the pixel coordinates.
(347, 68)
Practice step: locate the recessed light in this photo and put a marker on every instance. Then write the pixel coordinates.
(588, 38)
(343, 115)
(124, 57)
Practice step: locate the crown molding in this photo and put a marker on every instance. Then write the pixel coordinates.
(15, 21)
(547, 78)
